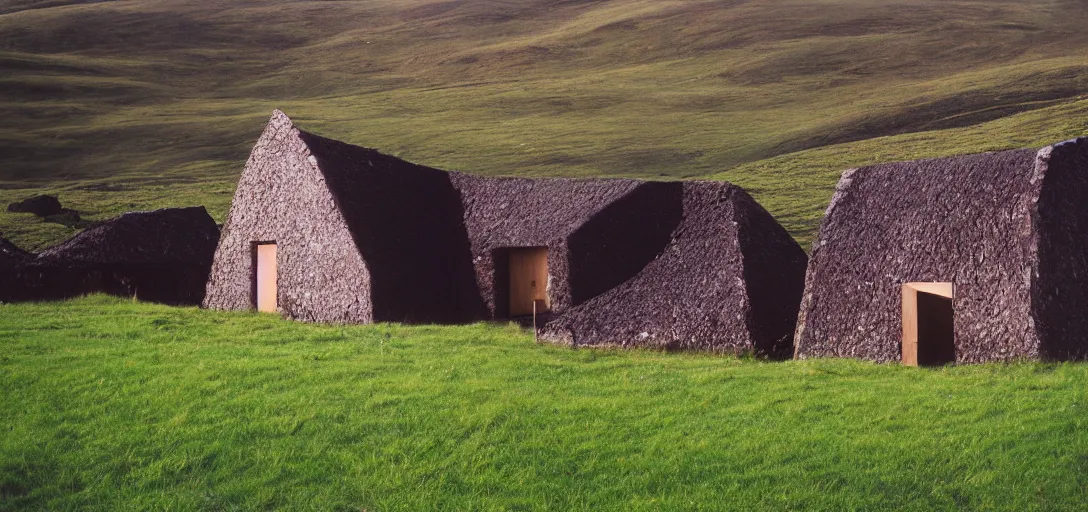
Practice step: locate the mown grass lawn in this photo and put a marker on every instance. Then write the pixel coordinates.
(106, 404)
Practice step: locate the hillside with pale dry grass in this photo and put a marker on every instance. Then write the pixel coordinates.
(120, 105)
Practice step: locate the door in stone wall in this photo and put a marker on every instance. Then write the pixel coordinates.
(928, 327)
(266, 277)
(528, 281)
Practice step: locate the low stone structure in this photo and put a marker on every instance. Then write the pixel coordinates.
(597, 233)
(161, 256)
(1003, 231)
(361, 236)
(729, 278)
(364, 237)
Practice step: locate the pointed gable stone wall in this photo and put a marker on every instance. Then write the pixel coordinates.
(283, 197)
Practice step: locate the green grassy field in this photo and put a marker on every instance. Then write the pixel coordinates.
(150, 103)
(108, 404)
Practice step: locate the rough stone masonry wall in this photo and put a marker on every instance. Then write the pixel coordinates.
(693, 295)
(407, 223)
(774, 274)
(522, 212)
(622, 238)
(964, 219)
(1060, 288)
(282, 196)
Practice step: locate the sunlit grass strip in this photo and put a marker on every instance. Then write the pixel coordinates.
(109, 404)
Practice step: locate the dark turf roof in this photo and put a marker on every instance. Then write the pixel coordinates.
(406, 222)
(166, 236)
(161, 256)
(524, 211)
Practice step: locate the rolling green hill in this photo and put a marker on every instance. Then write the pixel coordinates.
(137, 104)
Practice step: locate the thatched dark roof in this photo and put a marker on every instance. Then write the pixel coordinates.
(162, 256)
(982, 222)
(161, 237)
(364, 237)
(527, 211)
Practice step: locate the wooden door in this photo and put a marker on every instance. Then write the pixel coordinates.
(928, 330)
(266, 278)
(529, 281)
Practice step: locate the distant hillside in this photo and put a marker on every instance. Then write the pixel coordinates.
(168, 95)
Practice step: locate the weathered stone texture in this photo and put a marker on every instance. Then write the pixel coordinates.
(366, 237)
(694, 294)
(588, 226)
(406, 221)
(1060, 289)
(283, 197)
(1001, 226)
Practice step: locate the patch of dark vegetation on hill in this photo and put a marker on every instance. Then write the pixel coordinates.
(490, 11)
(957, 111)
(45, 90)
(13, 6)
(42, 66)
(40, 205)
(151, 32)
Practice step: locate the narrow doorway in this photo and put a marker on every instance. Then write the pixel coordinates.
(928, 330)
(525, 272)
(264, 276)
